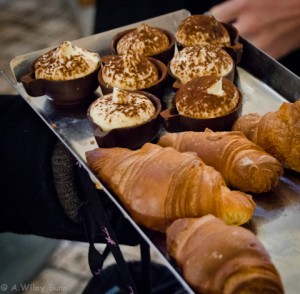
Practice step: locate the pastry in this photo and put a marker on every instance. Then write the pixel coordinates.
(207, 97)
(125, 118)
(66, 62)
(67, 75)
(133, 72)
(202, 29)
(244, 165)
(158, 185)
(121, 109)
(202, 60)
(144, 40)
(277, 132)
(217, 258)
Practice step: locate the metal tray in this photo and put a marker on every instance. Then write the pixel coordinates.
(264, 83)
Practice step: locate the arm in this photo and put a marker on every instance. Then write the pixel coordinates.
(271, 25)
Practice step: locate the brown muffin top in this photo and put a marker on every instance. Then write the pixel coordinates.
(145, 40)
(207, 97)
(202, 29)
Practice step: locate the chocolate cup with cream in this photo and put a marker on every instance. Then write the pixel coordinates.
(235, 50)
(176, 84)
(164, 56)
(132, 137)
(67, 92)
(175, 122)
(156, 89)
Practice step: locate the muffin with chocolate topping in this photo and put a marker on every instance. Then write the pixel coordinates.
(197, 61)
(132, 71)
(125, 118)
(204, 102)
(147, 41)
(67, 74)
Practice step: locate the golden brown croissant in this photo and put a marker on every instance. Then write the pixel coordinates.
(243, 164)
(217, 258)
(158, 185)
(278, 133)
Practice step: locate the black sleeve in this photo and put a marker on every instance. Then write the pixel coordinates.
(28, 198)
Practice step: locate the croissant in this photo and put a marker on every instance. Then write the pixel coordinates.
(158, 185)
(217, 258)
(278, 133)
(243, 164)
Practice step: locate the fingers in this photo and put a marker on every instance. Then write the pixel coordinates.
(227, 11)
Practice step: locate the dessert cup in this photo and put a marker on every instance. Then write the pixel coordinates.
(129, 137)
(164, 56)
(175, 122)
(67, 92)
(156, 89)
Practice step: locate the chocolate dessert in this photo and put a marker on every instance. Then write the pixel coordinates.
(204, 102)
(125, 118)
(67, 75)
(207, 97)
(202, 29)
(144, 40)
(197, 61)
(132, 71)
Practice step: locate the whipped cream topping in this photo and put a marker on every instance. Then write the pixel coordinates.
(66, 62)
(197, 61)
(144, 40)
(121, 109)
(202, 29)
(207, 97)
(129, 72)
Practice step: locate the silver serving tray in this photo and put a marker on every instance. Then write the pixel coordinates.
(264, 83)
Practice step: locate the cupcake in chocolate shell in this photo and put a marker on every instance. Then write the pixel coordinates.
(125, 118)
(204, 102)
(147, 41)
(197, 61)
(132, 72)
(67, 74)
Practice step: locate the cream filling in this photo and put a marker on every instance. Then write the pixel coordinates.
(66, 62)
(121, 109)
(195, 61)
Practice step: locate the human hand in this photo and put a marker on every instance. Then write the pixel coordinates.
(271, 25)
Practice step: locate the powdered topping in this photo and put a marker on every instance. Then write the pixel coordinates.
(202, 29)
(144, 40)
(207, 97)
(197, 61)
(129, 72)
(121, 109)
(66, 62)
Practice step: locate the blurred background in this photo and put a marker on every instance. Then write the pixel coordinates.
(29, 263)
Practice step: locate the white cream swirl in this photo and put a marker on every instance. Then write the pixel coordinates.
(197, 61)
(66, 62)
(144, 40)
(130, 72)
(121, 109)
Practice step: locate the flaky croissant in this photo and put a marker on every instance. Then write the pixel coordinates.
(278, 133)
(220, 259)
(158, 185)
(243, 164)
